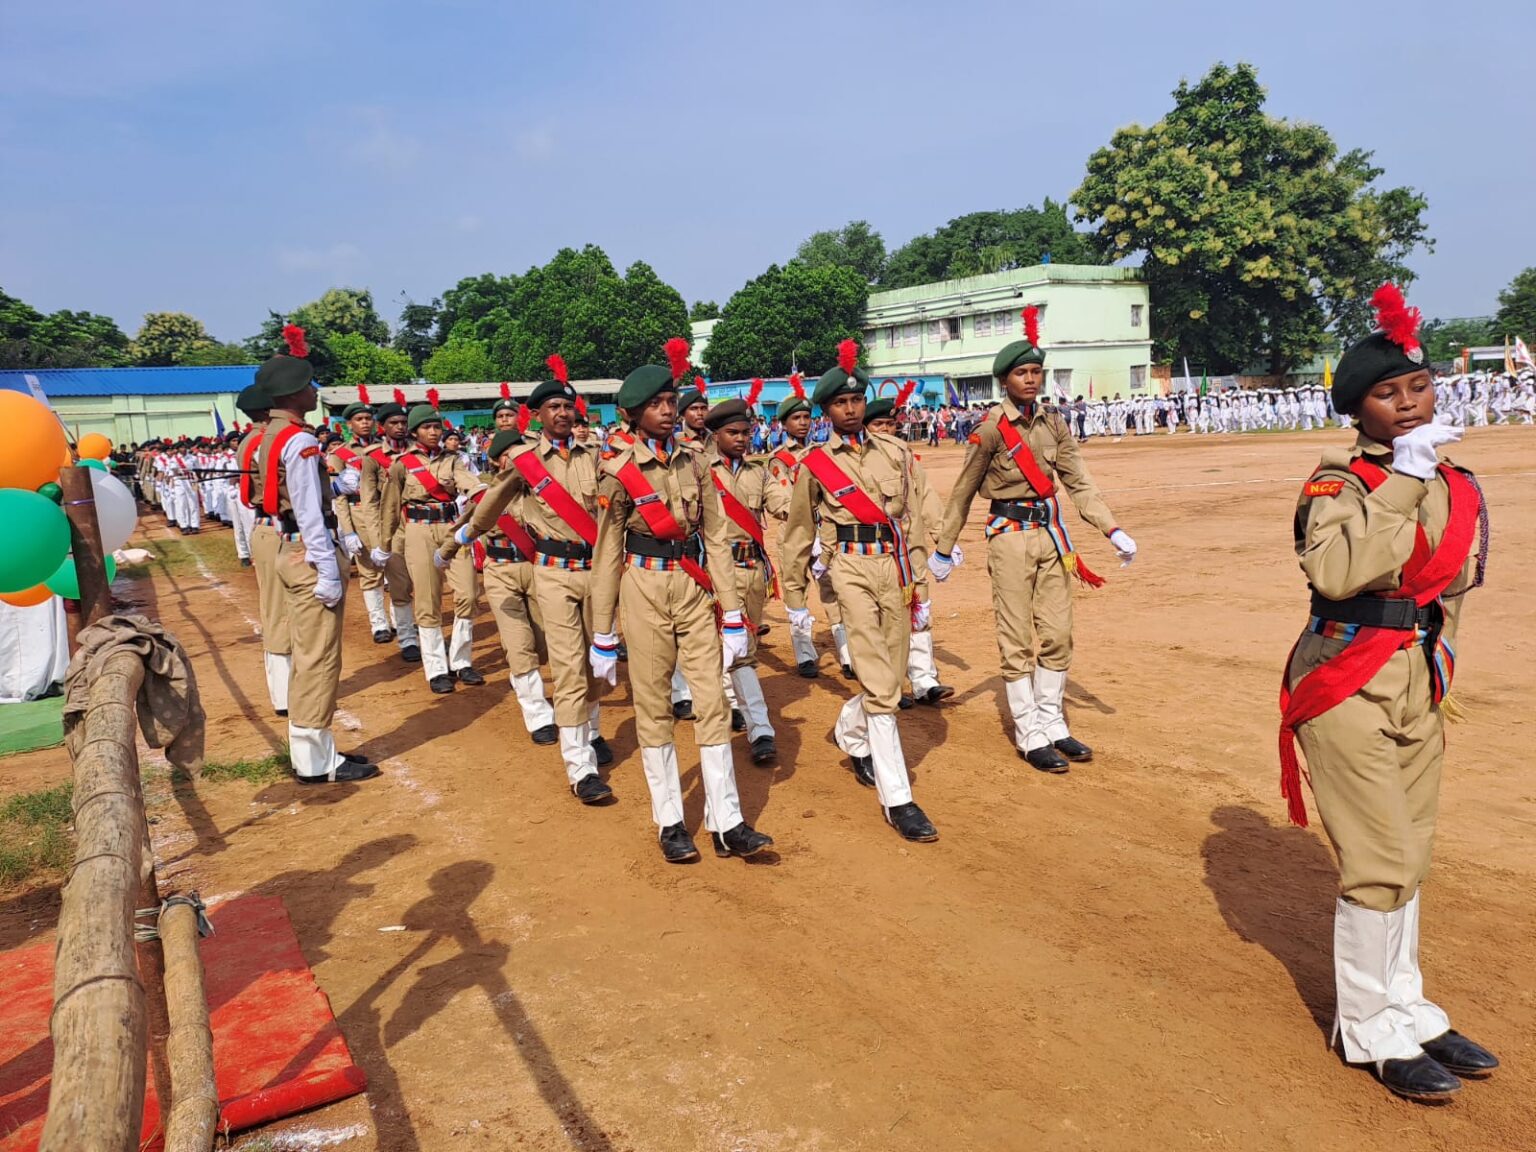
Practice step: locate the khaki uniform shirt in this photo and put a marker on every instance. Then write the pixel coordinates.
(368, 513)
(574, 469)
(753, 488)
(347, 517)
(255, 485)
(403, 488)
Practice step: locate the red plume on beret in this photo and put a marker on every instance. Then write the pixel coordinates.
(755, 391)
(1032, 325)
(556, 364)
(677, 356)
(432, 396)
(797, 385)
(581, 407)
(524, 418)
(701, 385)
(506, 390)
(848, 356)
(1398, 322)
(362, 394)
(400, 397)
(904, 393)
(293, 335)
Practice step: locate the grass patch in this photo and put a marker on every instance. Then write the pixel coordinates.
(263, 771)
(35, 834)
(179, 556)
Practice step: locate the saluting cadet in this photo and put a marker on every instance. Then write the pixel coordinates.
(662, 557)
(360, 420)
(856, 492)
(387, 552)
(1386, 532)
(747, 494)
(1015, 458)
(421, 501)
(295, 491)
(276, 643)
(553, 483)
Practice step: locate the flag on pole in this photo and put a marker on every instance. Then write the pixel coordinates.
(1189, 385)
(951, 397)
(218, 421)
(1205, 382)
(1523, 354)
(1327, 374)
(1090, 387)
(1509, 360)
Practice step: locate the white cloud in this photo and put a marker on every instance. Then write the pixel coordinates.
(534, 145)
(339, 259)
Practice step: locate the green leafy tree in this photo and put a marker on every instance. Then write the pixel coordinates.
(63, 339)
(1257, 237)
(1517, 308)
(704, 310)
(787, 317)
(855, 245)
(204, 355)
(1444, 339)
(415, 335)
(167, 337)
(984, 242)
(338, 312)
(360, 361)
(462, 359)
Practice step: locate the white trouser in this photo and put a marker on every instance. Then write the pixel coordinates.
(804, 647)
(1021, 706)
(186, 499)
(461, 646)
(378, 617)
(1382, 1013)
(1050, 721)
(661, 778)
(594, 718)
(279, 669)
(434, 653)
(729, 685)
(537, 711)
(243, 520)
(580, 760)
(921, 669)
(313, 751)
(749, 694)
(860, 733)
(840, 642)
(722, 807)
(405, 625)
(679, 687)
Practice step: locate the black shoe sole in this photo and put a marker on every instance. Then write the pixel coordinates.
(1422, 1097)
(728, 853)
(681, 859)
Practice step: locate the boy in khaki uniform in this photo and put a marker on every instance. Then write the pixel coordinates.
(662, 556)
(360, 420)
(276, 642)
(387, 555)
(421, 502)
(1015, 458)
(855, 493)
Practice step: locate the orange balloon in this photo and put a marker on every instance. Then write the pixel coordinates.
(29, 597)
(31, 442)
(94, 446)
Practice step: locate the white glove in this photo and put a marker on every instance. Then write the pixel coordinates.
(733, 638)
(439, 561)
(1124, 546)
(818, 570)
(328, 591)
(941, 566)
(347, 482)
(462, 536)
(1413, 453)
(352, 544)
(379, 556)
(815, 547)
(604, 657)
(922, 615)
(800, 621)
(957, 555)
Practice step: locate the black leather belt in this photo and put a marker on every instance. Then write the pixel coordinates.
(288, 525)
(506, 553)
(641, 544)
(564, 549)
(1023, 513)
(864, 534)
(744, 552)
(352, 497)
(433, 513)
(1378, 612)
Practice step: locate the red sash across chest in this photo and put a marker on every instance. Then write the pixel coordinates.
(555, 497)
(247, 468)
(424, 476)
(744, 519)
(858, 504)
(270, 499)
(659, 519)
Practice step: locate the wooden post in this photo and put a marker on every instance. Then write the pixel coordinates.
(79, 501)
(192, 1121)
(152, 973)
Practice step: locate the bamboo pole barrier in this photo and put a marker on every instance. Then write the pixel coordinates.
(79, 502)
(192, 1122)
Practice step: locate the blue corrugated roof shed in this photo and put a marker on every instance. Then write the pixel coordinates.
(131, 381)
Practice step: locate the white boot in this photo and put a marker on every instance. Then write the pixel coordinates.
(921, 669)
(852, 728)
(1051, 722)
(576, 751)
(1366, 948)
(661, 777)
(722, 807)
(1429, 1020)
(373, 600)
(890, 763)
(434, 653)
(537, 711)
(313, 751)
(679, 686)
(749, 691)
(1027, 735)
(405, 625)
(840, 642)
(279, 668)
(804, 647)
(461, 646)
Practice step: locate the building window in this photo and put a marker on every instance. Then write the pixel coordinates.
(933, 330)
(1136, 310)
(949, 329)
(910, 333)
(1061, 381)
(1003, 324)
(1138, 377)
(872, 338)
(890, 337)
(983, 324)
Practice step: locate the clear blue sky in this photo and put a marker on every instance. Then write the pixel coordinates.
(225, 158)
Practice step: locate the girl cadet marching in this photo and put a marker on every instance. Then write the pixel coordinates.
(662, 554)
(1015, 459)
(1386, 532)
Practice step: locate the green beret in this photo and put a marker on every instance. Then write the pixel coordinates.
(1019, 352)
(690, 398)
(834, 382)
(283, 375)
(384, 411)
(252, 400)
(790, 406)
(422, 414)
(504, 405)
(876, 409)
(507, 438)
(551, 390)
(728, 412)
(1366, 364)
(352, 410)
(644, 382)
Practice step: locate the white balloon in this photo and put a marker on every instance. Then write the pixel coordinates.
(116, 512)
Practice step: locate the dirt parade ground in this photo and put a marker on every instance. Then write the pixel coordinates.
(1132, 956)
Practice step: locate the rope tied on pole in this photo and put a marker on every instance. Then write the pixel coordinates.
(146, 932)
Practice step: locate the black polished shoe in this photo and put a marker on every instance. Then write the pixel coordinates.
(1422, 1078)
(548, 734)
(1457, 1054)
(905, 702)
(908, 819)
(354, 758)
(683, 710)
(621, 652)
(1047, 759)
(764, 629)
(764, 750)
(281, 711)
(344, 773)
(411, 654)
(742, 840)
(848, 672)
(808, 669)
(1074, 750)
(469, 676)
(383, 636)
(935, 694)
(676, 845)
(245, 562)
(442, 685)
(738, 720)
(863, 769)
(591, 789)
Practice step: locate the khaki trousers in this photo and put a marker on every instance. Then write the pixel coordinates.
(397, 576)
(567, 614)
(1032, 600)
(669, 621)
(421, 540)
(265, 546)
(519, 624)
(752, 587)
(1375, 762)
(316, 633)
(878, 622)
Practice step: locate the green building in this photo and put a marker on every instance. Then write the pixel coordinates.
(131, 405)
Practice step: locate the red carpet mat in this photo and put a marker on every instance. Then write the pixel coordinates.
(276, 1047)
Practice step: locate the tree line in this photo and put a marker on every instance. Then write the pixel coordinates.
(1260, 239)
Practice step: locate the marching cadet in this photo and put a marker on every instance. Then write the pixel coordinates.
(1014, 459)
(421, 503)
(295, 491)
(553, 482)
(387, 553)
(359, 417)
(276, 641)
(856, 492)
(504, 412)
(1391, 536)
(922, 670)
(693, 407)
(662, 557)
(746, 494)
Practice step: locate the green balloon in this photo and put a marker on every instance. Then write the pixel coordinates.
(65, 581)
(52, 491)
(34, 538)
(99, 465)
